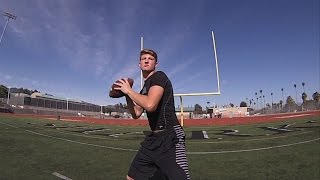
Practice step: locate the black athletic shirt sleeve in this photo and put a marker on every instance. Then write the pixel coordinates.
(160, 79)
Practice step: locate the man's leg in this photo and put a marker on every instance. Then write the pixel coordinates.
(158, 175)
(174, 163)
(142, 167)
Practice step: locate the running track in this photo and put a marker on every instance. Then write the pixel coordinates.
(187, 122)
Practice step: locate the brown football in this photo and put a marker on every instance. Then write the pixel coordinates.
(117, 93)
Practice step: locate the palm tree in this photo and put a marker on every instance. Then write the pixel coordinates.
(282, 98)
(252, 100)
(290, 103)
(257, 98)
(208, 106)
(271, 99)
(303, 83)
(282, 94)
(261, 98)
(316, 97)
(295, 87)
(304, 97)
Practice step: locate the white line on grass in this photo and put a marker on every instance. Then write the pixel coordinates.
(257, 149)
(192, 153)
(9, 125)
(240, 140)
(82, 143)
(61, 176)
(297, 115)
(87, 136)
(72, 141)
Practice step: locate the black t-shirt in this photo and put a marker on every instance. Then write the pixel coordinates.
(164, 116)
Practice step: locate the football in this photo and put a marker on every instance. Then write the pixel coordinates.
(113, 93)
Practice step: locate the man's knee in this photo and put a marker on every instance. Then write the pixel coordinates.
(129, 178)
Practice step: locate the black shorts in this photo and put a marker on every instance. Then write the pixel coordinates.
(163, 151)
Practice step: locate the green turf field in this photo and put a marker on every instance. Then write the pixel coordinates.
(35, 149)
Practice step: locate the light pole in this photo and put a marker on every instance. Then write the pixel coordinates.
(10, 16)
(247, 101)
(67, 104)
(8, 95)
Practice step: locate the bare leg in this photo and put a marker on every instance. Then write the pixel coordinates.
(129, 178)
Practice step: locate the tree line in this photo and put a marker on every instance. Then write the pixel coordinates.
(4, 91)
(259, 99)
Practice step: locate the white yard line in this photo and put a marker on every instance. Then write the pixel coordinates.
(240, 140)
(61, 176)
(297, 115)
(63, 119)
(82, 143)
(191, 153)
(257, 149)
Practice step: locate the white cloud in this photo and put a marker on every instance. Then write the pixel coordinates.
(61, 25)
(7, 77)
(183, 66)
(104, 44)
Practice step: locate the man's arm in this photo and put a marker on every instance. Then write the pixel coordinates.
(148, 102)
(135, 110)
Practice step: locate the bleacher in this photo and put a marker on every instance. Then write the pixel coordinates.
(4, 108)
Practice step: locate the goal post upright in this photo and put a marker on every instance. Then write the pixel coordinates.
(141, 76)
(203, 93)
(196, 93)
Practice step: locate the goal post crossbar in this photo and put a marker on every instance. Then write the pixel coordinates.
(195, 94)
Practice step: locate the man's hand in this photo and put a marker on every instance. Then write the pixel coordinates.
(123, 85)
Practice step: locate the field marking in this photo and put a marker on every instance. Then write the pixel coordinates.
(82, 143)
(72, 141)
(10, 125)
(93, 136)
(191, 153)
(297, 115)
(256, 149)
(63, 119)
(61, 176)
(87, 136)
(240, 140)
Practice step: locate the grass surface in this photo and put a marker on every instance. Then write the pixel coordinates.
(34, 149)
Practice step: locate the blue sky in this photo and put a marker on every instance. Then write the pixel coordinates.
(78, 48)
